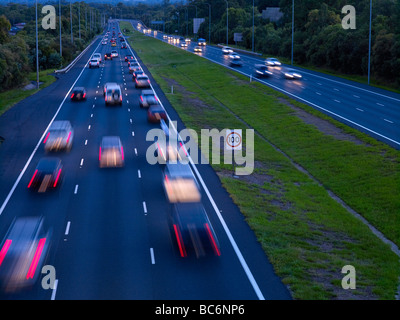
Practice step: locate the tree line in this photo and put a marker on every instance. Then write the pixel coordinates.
(319, 38)
(18, 52)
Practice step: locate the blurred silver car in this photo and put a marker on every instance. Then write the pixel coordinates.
(272, 62)
(111, 152)
(291, 74)
(142, 81)
(147, 98)
(59, 137)
(227, 50)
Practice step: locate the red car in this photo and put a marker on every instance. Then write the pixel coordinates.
(155, 113)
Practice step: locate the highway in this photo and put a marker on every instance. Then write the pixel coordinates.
(371, 110)
(110, 233)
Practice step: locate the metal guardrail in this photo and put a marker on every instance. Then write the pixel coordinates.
(67, 68)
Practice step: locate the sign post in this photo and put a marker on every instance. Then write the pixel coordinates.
(233, 141)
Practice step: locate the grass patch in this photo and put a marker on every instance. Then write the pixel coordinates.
(10, 97)
(307, 235)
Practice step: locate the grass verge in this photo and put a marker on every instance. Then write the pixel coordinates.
(10, 97)
(306, 234)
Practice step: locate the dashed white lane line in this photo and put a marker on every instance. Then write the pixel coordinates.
(135, 151)
(360, 109)
(153, 260)
(380, 104)
(53, 294)
(318, 93)
(81, 164)
(388, 120)
(67, 228)
(355, 96)
(89, 127)
(139, 174)
(144, 207)
(76, 189)
(85, 142)
(133, 133)
(336, 101)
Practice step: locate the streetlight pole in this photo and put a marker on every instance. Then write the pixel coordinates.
(37, 51)
(226, 21)
(369, 41)
(59, 13)
(209, 22)
(70, 17)
(292, 29)
(252, 38)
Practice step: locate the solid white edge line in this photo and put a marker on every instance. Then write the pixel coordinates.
(221, 219)
(40, 141)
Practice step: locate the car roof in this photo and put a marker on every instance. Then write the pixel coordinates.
(24, 228)
(60, 125)
(147, 92)
(190, 213)
(79, 89)
(176, 170)
(48, 164)
(110, 141)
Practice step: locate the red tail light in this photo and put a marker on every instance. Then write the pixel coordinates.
(33, 177)
(72, 95)
(180, 241)
(69, 136)
(100, 154)
(84, 95)
(141, 98)
(212, 240)
(122, 153)
(58, 176)
(47, 136)
(36, 257)
(4, 250)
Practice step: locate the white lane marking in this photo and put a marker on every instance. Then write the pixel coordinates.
(360, 109)
(67, 228)
(53, 294)
(318, 93)
(81, 162)
(380, 104)
(85, 142)
(76, 189)
(388, 120)
(144, 207)
(355, 96)
(41, 138)
(139, 174)
(130, 120)
(133, 133)
(336, 101)
(153, 261)
(221, 219)
(91, 115)
(135, 151)
(89, 127)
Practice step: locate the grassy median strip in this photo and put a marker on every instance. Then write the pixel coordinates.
(307, 235)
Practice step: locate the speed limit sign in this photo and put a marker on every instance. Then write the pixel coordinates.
(233, 139)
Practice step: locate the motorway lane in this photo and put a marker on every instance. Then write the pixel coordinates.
(111, 237)
(371, 110)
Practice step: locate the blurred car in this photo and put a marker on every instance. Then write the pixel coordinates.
(261, 70)
(134, 67)
(180, 184)
(113, 95)
(128, 57)
(104, 42)
(94, 63)
(23, 253)
(108, 56)
(183, 44)
(272, 62)
(59, 136)
(113, 44)
(193, 231)
(291, 74)
(147, 98)
(111, 152)
(142, 81)
(114, 53)
(108, 84)
(155, 113)
(96, 56)
(227, 50)
(165, 36)
(47, 175)
(123, 46)
(235, 60)
(133, 61)
(198, 49)
(78, 94)
(137, 73)
(201, 42)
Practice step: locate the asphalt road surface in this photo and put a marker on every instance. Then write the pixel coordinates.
(110, 233)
